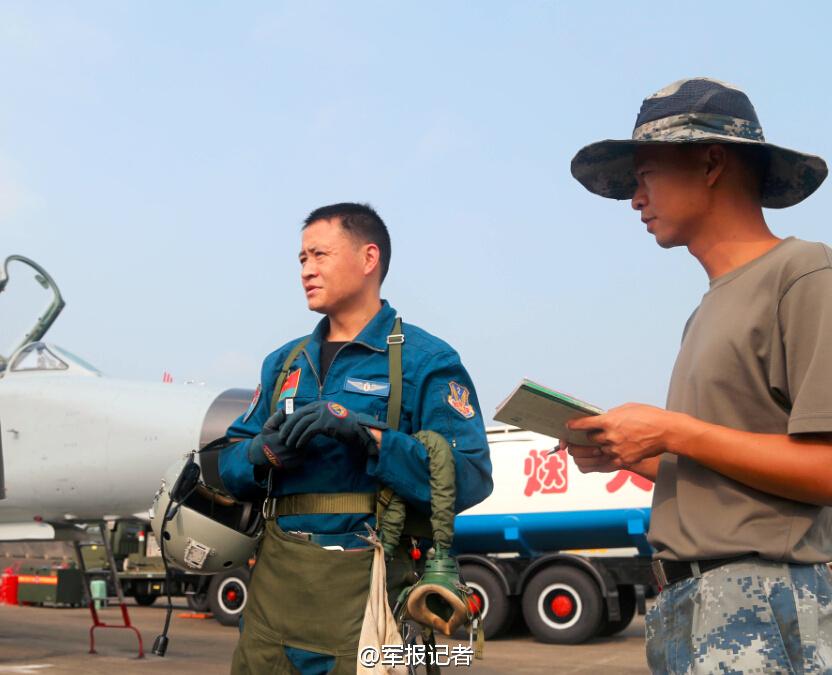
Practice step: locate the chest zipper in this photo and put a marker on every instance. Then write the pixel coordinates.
(340, 349)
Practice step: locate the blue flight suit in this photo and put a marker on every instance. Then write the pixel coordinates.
(437, 395)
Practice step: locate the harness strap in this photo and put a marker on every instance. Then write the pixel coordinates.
(284, 372)
(320, 503)
(394, 358)
(394, 401)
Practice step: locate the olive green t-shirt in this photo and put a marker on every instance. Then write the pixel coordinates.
(756, 355)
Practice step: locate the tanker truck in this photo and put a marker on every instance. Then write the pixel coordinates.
(566, 551)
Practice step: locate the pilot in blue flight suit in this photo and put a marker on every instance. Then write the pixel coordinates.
(322, 443)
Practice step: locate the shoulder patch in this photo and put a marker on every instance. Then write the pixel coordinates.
(251, 406)
(458, 400)
(290, 385)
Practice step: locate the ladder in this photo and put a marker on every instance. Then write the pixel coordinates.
(113, 573)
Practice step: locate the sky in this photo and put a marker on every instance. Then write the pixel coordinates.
(158, 160)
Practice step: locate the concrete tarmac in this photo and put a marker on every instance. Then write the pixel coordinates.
(55, 641)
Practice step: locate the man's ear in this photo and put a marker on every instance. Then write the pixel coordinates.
(372, 258)
(715, 158)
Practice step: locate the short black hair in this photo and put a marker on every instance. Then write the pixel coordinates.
(361, 221)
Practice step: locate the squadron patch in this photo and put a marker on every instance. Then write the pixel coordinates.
(290, 385)
(251, 406)
(357, 386)
(337, 409)
(458, 400)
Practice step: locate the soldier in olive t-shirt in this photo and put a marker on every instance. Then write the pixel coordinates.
(756, 356)
(742, 456)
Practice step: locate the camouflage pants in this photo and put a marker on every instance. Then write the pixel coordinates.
(746, 617)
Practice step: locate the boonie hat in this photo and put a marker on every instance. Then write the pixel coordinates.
(698, 110)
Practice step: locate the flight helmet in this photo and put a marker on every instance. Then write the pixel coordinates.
(200, 529)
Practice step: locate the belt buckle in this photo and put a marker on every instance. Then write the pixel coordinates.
(297, 534)
(269, 508)
(659, 573)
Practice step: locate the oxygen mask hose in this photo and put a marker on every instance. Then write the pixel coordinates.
(439, 600)
(160, 644)
(180, 491)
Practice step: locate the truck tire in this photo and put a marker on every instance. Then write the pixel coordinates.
(562, 605)
(498, 610)
(227, 595)
(198, 602)
(627, 605)
(145, 599)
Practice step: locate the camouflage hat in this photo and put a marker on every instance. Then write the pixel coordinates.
(697, 110)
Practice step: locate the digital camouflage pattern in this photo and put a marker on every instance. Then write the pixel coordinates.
(698, 110)
(751, 616)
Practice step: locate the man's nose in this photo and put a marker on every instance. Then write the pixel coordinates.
(307, 270)
(639, 200)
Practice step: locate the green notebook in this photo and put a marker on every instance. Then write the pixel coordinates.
(537, 408)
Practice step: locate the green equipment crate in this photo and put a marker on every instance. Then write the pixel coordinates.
(61, 587)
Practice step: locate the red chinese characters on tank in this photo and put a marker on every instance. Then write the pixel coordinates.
(620, 479)
(546, 473)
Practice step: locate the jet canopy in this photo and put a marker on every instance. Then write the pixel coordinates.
(29, 304)
(43, 357)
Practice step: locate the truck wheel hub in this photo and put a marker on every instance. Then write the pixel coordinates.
(562, 605)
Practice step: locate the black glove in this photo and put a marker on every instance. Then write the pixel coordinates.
(333, 420)
(266, 449)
